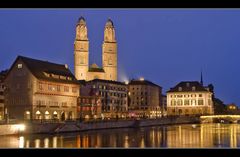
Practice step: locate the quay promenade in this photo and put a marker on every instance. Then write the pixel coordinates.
(53, 127)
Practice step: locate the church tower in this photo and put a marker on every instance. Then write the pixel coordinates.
(81, 50)
(109, 52)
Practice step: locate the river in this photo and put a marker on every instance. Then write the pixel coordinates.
(171, 136)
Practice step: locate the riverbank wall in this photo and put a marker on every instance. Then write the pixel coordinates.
(73, 126)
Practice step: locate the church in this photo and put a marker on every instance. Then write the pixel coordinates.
(82, 70)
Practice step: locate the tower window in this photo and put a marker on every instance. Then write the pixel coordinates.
(81, 61)
(110, 61)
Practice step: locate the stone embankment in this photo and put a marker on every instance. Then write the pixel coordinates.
(73, 126)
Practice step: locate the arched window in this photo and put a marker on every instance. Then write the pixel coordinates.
(27, 115)
(38, 115)
(110, 62)
(47, 116)
(55, 115)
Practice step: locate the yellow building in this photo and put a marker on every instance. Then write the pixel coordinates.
(189, 98)
(81, 54)
(38, 89)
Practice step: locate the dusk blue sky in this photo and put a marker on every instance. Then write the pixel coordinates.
(165, 46)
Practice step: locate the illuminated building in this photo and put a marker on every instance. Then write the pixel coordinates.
(2, 76)
(113, 97)
(81, 54)
(232, 109)
(232, 106)
(38, 89)
(189, 98)
(144, 99)
(89, 103)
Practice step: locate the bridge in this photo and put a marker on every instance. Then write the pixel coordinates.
(220, 119)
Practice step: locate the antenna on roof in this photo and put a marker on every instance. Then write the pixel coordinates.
(201, 79)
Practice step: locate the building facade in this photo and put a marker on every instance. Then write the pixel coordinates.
(113, 95)
(81, 54)
(89, 103)
(38, 89)
(164, 104)
(2, 88)
(189, 98)
(144, 99)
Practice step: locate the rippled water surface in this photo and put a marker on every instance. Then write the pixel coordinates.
(180, 136)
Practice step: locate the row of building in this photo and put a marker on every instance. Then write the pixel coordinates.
(36, 89)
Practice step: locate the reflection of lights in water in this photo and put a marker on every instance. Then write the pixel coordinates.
(78, 141)
(37, 143)
(21, 142)
(142, 144)
(126, 143)
(46, 143)
(55, 142)
(27, 143)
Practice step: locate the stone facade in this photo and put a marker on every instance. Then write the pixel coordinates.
(144, 99)
(189, 98)
(81, 54)
(40, 90)
(113, 95)
(89, 103)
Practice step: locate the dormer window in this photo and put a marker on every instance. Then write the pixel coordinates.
(180, 89)
(193, 88)
(19, 66)
(188, 84)
(46, 74)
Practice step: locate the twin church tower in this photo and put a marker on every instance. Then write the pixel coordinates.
(81, 54)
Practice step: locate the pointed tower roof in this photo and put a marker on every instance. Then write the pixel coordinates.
(81, 21)
(109, 23)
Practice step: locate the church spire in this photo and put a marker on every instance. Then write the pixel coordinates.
(201, 79)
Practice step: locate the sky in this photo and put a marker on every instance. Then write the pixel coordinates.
(165, 46)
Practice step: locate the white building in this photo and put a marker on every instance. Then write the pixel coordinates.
(189, 98)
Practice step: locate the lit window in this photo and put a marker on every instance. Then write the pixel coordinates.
(19, 66)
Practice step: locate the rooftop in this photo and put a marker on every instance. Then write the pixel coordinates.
(188, 86)
(48, 71)
(142, 82)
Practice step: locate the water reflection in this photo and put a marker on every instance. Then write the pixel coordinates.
(180, 136)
